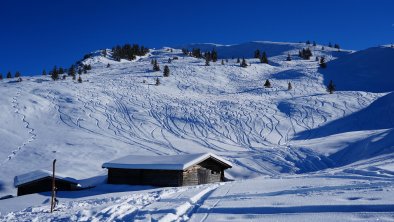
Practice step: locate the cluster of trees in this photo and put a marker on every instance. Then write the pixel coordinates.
(9, 75)
(196, 52)
(211, 55)
(56, 73)
(309, 42)
(156, 67)
(335, 46)
(262, 56)
(305, 53)
(128, 51)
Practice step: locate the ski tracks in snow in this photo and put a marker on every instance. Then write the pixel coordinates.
(31, 131)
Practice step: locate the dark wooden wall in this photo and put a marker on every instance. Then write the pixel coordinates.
(208, 171)
(44, 185)
(145, 177)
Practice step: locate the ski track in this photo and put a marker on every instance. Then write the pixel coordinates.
(238, 118)
(31, 131)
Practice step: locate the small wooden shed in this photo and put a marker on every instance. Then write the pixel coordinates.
(41, 181)
(176, 170)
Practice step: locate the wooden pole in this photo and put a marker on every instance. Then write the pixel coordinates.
(53, 185)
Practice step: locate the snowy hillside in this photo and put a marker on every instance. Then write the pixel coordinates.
(293, 151)
(366, 70)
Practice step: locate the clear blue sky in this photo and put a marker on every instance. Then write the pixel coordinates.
(43, 33)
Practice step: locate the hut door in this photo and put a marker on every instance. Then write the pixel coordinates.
(203, 175)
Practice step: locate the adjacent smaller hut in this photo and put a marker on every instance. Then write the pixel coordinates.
(41, 181)
(175, 170)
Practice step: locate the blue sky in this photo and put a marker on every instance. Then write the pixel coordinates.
(40, 34)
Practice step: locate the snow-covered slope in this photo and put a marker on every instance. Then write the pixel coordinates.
(368, 70)
(247, 49)
(223, 109)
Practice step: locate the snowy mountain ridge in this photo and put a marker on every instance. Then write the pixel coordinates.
(293, 142)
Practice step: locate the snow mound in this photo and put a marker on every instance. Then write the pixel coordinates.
(366, 70)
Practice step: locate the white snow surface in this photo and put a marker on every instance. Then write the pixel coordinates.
(300, 154)
(39, 174)
(165, 162)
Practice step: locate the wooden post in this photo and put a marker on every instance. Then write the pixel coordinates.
(53, 185)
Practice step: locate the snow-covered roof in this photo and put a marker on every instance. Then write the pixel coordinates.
(174, 162)
(37, 175)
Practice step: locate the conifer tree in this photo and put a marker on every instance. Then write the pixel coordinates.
(207, 61)
(330, 45)
(257, 54)
(152, 61)
(243, 63)
(61, 70)
(267, 84)
(157, 82)
(166, 71)
(64, 77)
(169, 60)
(80, 71)
(331, 87)
(108, 65)
(317, 58)
(323, 63)
(308, 42)
(226, 60)
(322, 48)
(71, 71)
(54, 74)
(79, 79)
(238, 60)
(222, 62)
(44, 73)
(17, 74)
(156, 66)
(214, 55)
(288, 57)
(264, 58)
(305, 53)
(289, 86)
(196, 53)
(9, 75)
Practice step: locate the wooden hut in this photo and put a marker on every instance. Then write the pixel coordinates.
(41, 181)
(176, 170)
